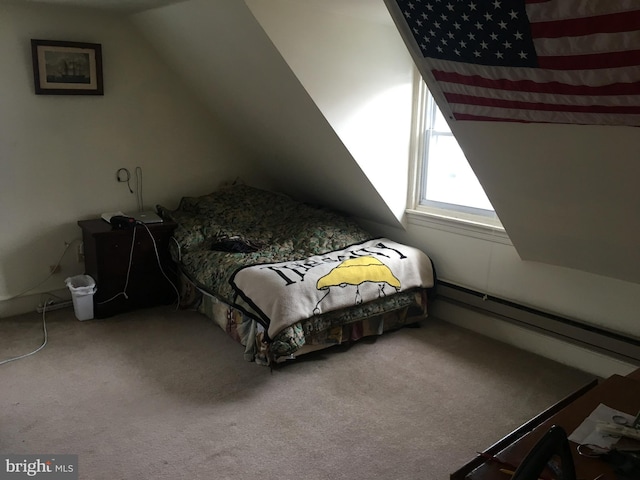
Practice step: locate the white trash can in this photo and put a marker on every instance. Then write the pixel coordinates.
(82, 288)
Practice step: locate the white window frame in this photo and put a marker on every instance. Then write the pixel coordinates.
(468, 221)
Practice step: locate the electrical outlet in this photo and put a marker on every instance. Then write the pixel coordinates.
(80, 253)
(55, 268)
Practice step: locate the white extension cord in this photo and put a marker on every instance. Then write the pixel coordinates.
(44, 341)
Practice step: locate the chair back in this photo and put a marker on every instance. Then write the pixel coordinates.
(552, 451)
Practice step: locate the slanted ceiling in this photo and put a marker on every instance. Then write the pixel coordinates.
(226, 57)
(566, 194)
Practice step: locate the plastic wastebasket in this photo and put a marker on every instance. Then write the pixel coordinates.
(82, 288)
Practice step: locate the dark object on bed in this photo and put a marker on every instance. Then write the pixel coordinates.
(226, 241)
(234, 244)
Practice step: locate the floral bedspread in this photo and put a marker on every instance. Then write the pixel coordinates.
(240, 225)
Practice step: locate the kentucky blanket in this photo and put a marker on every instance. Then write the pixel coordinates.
(281, 294)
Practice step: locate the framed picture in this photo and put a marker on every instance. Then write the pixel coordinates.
(67, 68)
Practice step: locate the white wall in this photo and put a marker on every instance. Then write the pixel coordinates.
(567, 194)
(225, 56)
(59, 154)
(354, 65)
(489, 264)
(486, 264)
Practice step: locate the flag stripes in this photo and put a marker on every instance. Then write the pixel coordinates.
(560, 61)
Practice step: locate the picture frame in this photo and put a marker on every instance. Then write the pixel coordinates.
(67, 68)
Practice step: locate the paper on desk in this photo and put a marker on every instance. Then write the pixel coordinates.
(586, 432)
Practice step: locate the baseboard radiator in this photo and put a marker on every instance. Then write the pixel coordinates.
(588, 336)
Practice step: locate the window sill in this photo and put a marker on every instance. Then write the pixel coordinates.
(459, 226)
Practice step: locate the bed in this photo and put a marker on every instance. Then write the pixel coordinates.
(284, 278)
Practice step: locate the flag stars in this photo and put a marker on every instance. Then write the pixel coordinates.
(490, 32)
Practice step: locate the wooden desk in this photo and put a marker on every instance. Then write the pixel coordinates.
(621, 393)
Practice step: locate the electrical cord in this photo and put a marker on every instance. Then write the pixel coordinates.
(155, 248)
(178, 246)
(123, 175)
(44, 342)
(66, 249)
(44, 309)
(126, 178)
(139, 189)
(126, 283)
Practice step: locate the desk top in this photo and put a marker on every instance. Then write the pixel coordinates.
(621, 393)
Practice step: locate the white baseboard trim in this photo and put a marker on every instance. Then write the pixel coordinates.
(547, 346)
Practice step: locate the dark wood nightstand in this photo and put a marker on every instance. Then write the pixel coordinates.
(107, 253)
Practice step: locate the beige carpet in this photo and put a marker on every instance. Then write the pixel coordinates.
(160, 394)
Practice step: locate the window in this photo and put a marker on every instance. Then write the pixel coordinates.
(445, 184)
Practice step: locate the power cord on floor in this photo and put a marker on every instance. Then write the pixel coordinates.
(44, 342)
(44, 304)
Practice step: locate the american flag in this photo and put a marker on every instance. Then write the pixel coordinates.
(558, 61)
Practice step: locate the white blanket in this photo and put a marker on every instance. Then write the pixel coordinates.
(281, 294)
